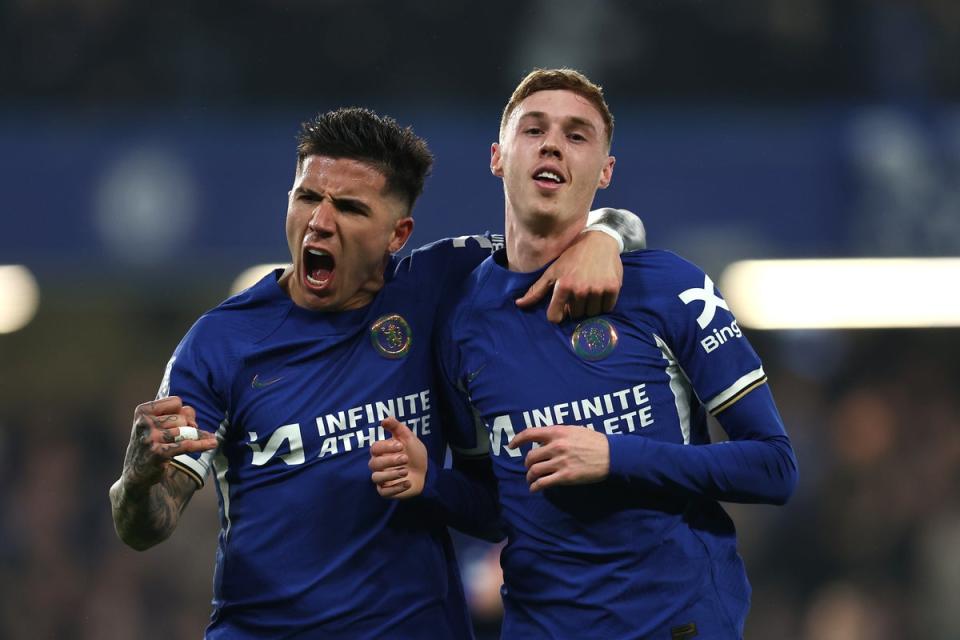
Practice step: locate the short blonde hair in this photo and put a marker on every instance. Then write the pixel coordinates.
(560, 79)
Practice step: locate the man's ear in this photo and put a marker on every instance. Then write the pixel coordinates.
(606, 174)
(496, 160)
(401, 233)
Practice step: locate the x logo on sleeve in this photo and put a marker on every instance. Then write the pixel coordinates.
(710, 301)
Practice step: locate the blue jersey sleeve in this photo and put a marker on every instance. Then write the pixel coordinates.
(191, 375)
(706, 348)
(466, 494)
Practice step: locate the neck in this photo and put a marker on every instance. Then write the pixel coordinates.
(534, 241)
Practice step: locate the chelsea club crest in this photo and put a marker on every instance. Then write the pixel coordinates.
(594, 339)
(391, 336)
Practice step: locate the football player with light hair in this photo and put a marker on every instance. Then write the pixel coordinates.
(608, 482)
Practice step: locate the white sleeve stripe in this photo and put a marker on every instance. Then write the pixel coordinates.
(742, 383)
(680, 386)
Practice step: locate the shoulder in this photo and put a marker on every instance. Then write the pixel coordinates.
(246, 317)
(666, 263)
(469, 295)
(659, 273)
(450, 257)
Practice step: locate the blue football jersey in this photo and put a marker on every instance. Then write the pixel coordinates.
(648, 552)
(307, 548)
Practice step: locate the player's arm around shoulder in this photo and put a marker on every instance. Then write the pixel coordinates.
(445, 264)
(147, 499)
(586, 278)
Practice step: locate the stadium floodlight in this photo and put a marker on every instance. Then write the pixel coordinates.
(250, 276)
(856, 293)
(19, 297)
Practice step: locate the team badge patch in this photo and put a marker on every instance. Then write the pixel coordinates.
(391, 336)
(594, 339)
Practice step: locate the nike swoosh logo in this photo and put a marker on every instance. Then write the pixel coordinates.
(256, 383)
(473, 374)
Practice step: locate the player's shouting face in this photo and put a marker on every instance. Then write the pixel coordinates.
(553, 155)
(342, 225)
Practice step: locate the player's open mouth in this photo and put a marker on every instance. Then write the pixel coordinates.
(318, 268)
(548, 178)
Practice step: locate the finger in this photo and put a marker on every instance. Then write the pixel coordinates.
(384, 478)
(395, 483)
(534, 434)
(384, 447)
(191, 433)
(397, 429)
(154, 428)
(194, 446)
(172, 449)
(185, 433)
(578, 305)
(545, 482)
(537, 291)
(189, 414)
(538, 454)
(395, 490)
(159, 407)
(558, 305)
(380, 463)
(594, 306)
(542, 470)
(610, 300)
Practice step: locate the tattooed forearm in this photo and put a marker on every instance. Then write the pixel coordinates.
(146, 515)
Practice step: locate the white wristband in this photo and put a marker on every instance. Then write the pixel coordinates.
(610, 231)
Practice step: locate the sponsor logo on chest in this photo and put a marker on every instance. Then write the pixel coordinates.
(341, 432)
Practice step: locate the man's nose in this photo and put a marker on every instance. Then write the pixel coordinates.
(550, 146)
(323, 219)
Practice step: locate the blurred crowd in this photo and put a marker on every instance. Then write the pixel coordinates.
(99, 53)
(864, 551)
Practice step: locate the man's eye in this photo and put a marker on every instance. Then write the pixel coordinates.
(576, 137)
(534, 131)
(351, 209)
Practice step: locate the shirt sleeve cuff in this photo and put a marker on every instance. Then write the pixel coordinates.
(431, 482)
(626, 453)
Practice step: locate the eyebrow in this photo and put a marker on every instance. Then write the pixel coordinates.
(340, 203)
(575, 120)
(343, 203)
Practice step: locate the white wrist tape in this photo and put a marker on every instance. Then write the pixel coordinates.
(187, 433)
(610, 231)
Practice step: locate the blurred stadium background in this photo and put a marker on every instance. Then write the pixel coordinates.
(145, 154)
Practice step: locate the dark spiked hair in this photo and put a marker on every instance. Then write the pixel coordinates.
(360, 134)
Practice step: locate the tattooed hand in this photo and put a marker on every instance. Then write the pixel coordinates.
(157, 427)
(151, 493)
